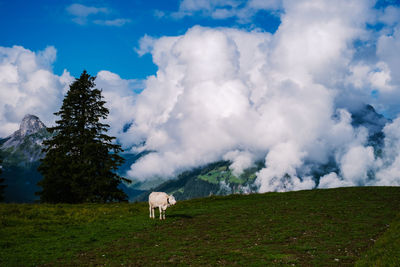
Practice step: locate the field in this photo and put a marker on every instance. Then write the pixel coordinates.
(335, 227)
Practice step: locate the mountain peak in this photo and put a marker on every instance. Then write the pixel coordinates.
(369, 118)
(30, 124)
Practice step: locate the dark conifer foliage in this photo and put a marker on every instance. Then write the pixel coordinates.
(2, 186)
(81, 160)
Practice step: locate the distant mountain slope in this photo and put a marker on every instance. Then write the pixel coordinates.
(212, 179)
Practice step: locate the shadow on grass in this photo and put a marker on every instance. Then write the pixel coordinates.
(180, 216)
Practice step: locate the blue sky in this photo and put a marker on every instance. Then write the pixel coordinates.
(244, 81)
(87, 45)
(37, 24)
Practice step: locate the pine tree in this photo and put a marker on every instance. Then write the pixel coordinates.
(2, 186)
(81, 160)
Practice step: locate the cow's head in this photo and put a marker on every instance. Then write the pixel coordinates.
(171, 200)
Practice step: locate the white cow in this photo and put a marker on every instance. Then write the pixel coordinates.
(162, 201)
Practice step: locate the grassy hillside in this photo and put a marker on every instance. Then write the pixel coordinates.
(335, 227)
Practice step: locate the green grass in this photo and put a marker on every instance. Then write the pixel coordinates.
(386, 251)
(213, 177)
(33, 234)
(335, 227)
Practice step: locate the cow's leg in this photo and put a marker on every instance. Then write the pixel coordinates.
(160, 212)
(150, 209)
(164, 214)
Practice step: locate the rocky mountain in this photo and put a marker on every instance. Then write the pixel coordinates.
(30, 124)
(21, 153)
(24, 146)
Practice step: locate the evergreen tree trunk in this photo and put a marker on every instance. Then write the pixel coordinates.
(81, 160)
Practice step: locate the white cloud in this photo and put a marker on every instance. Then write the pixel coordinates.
(114, 22)
(146, 44)
(381, 77)
(265, 4)
(81, 13)
(280, 172)
(246, 96)
(212, 98)
(332, 180)
(356, 163)
(389, 172)
(28, 85)
(376, 75)
(79, 10)
(241, 160)
(387, 46)
(120, 96)
(223, 9)
(390, 15)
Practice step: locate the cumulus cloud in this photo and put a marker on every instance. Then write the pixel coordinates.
(120, 95)
(146, 44)
(389, 16)
(241, 160)
(389, 172)
(376, 77)
(212, 100)
(281, 98)
(387, 46)
(356, 163)
(28, 85)
(332, 180)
